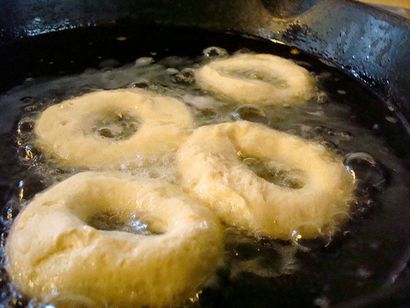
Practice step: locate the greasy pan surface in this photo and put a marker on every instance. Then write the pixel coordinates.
(332, 37)
(368, 43)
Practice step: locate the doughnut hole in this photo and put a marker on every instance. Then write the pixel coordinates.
(115, 221)
(116, 126)
(255, 74)
(273, 172)
(104, 211)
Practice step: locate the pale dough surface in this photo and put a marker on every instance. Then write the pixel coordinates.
(211, 170)
(64, 130)
(260, 79)
(55, 256)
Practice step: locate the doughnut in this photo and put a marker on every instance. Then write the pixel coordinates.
(312, 200)
(110, 129)
(259, 79)
(55, 252)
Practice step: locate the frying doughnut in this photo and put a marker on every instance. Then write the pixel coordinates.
(259, 79)
(211, 168)
(54, 253)
(110, 129)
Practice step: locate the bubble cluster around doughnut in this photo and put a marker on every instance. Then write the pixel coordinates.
(55, 255)
(110, 129)
(259, 79)
(211, 168)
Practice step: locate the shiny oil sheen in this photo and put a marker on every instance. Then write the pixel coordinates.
(365, 255)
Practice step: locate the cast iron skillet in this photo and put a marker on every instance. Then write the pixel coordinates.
(370, 45)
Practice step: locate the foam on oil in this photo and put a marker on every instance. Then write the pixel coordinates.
(323, 119)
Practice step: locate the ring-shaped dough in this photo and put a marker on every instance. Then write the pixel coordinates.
(211, 169)
(259, 79)
(53, 253)
(66, 130)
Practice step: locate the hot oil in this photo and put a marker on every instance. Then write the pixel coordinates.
(257, 270)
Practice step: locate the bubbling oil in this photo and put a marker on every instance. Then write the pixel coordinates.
(110, 221)
(324, 119)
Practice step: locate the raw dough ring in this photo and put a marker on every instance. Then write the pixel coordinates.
(65, 130)
(268, 80)
(53, 253)
(210, 168)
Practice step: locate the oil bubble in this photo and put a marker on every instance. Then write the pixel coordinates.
(323, 130)
(331, 146)
(25, 125)
(28, 152)
(366, 170)
(363, 273)
(391, 119)
(345, 135)
(27, 100)
(143, 61)
(249, 113)
(213, 51)
(264, 258)
(199, 102)
(138, 84)
(171, 71)
(185, 77)
(86, 88)
(322, 302)
(322, 98)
